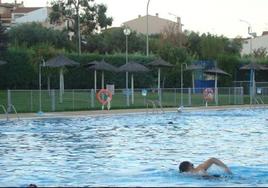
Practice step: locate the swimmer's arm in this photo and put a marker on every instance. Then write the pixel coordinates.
(204, 166)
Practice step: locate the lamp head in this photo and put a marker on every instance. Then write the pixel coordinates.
(127, 31)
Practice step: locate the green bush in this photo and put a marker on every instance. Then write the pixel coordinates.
(21, 71)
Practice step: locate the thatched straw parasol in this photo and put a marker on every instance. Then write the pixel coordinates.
(60, 61)
(253, 66)
(133, 67)
(216, 71)
(102, 66)
(159, 63)
(194, 67)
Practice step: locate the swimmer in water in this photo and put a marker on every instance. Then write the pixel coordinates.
(201, 169)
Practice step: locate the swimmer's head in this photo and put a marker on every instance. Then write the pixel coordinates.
(186, 166)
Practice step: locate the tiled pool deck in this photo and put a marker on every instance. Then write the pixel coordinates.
(120, 111)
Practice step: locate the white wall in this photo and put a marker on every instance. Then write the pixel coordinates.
(39, 15)
(156, 25)
(258, 42)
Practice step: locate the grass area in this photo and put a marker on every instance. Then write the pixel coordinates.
(28, 101)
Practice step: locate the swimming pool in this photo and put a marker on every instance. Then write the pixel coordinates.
(135, 149)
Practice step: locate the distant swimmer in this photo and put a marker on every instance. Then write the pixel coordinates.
(201, 169)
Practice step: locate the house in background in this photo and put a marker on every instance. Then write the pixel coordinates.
(35, 14)
(156, 25)
(12, 14)
(252, 44)
(6, 10)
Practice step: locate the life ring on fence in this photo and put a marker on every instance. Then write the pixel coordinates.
(104, 96)
(208, 94)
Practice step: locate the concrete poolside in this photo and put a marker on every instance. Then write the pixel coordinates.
(119, 111)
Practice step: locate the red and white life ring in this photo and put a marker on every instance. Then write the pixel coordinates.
(208, 94)
(104, 96)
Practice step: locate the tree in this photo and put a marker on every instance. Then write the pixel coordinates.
(260, 53)
(3, 38)
(92, 16)
(31, 34)
(208, 46)
(113, 40)
(172, 35)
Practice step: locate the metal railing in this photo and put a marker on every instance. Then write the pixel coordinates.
(85, 99)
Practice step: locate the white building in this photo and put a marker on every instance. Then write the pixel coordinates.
(29, 14)
(5, 12)
(156, 24)
(35, 14)
(249, 45)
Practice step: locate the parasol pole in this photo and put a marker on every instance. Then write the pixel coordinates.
(159, 76)
(253, 86)
(48, 84)
(61, 84)
(132, 88)
(95, 81)
(216, 89)
(193, 81)
(102, 80)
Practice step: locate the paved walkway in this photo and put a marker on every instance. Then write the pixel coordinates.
(121, 111)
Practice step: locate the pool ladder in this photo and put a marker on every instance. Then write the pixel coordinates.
(6, 111)
(154, 103)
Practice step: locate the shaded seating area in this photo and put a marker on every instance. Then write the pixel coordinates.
(215, 71)
(85, 98)
(193, 68)
(100, 66)
(159, 63)
(132, 67)
(253, 66)
(61, 62)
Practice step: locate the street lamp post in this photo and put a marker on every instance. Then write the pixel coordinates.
(147, 29)
(127, 32)
(252, 76)
(181, 107)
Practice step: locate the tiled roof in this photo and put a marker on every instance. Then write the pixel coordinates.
(25, 9)
(264, 33)
(6, 5)
(6, 15)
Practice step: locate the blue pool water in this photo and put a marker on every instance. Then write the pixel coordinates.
(135, 149)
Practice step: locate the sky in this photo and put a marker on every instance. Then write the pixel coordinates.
(219, 17)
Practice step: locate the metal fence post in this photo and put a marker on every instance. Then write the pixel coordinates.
(235, 94)
(88, 99)
(189, 97)
(160, 95)
(92, 98)
(175, 97)
(9, 101)
(242, 95)
(73, 98)
(52, 94)
(229, 96)
(31, 101)
(216, 96)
